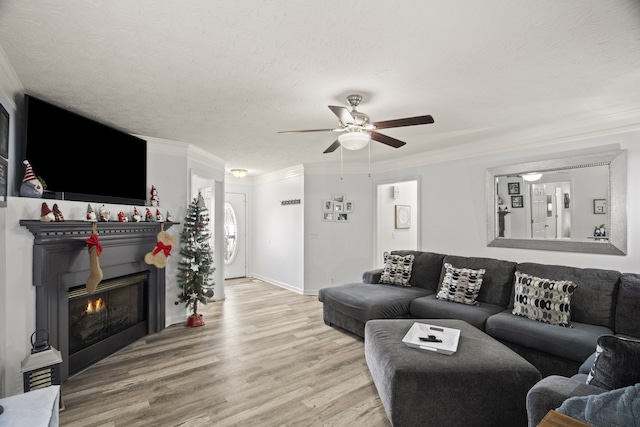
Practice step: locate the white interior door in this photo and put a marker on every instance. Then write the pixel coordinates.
(538, 212)
(235, 236)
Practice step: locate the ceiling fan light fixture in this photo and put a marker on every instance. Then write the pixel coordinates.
(354, 140)
(239, 173)
(530, 177)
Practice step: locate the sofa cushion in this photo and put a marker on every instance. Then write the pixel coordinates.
(426, 269)
(616, 364)
(544, 300)
(460, 285)
(575, 343)
(397, 269)
(497, 280)
(595, 299)
(430, 307)
(364, 301)
(628, 305)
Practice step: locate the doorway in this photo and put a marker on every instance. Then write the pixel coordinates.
(235, 236)
(393, 197)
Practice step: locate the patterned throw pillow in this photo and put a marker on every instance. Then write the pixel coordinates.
(544, 300)
(460, 285)
(617, 363)
(397, 269)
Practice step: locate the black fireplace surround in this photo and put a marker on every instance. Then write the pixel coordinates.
(61, 265)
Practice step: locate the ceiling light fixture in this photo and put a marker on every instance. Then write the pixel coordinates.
(239, 173)
(354, 140)
(530, 177)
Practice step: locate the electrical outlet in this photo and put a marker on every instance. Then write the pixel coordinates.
(313, 235)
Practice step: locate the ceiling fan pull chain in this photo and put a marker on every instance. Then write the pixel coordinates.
(369, 159)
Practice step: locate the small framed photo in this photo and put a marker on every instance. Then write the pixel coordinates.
(342, 217)
(517, 201)
(4, 133)
(338, 198)
(514, 187)
(328, 216)
(599, 206)
(338, 207)
(4, 176)
(327, 206)
(403, 216)
(348, 206)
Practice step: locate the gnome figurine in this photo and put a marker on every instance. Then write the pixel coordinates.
(57, 214)
(91, 215)
(46, 215)
(136, 215)
(31, 186)
(159, 216)
(148, 217)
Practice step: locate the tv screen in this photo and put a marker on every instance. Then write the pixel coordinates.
(82, 159)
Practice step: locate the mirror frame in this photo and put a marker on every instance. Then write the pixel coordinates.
(616, 215)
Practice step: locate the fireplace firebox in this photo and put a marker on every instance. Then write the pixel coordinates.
(106, 320)
(128, 304)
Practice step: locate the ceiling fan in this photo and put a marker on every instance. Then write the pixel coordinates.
(357, 129)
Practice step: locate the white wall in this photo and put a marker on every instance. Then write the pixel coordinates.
(337, 252)
(276, 245)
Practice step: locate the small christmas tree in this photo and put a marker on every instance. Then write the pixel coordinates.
(196, 266)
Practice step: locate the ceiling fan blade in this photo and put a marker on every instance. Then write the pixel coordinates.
(395, 143)
(343, 114)
(310, 130)
(332, 147)
(409, 121)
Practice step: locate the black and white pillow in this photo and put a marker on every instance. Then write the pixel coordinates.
(617, 363)
(461, 285)
(397, 269)
(544, 300)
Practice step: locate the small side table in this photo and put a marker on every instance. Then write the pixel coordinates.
(556, 419)
(37, 408)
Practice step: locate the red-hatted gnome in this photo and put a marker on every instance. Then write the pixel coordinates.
(148, 216)
(57, 214)
(95, 249)
(161, 252)
(46, 214)
(136, 215)
(31, 186)
(154, 200)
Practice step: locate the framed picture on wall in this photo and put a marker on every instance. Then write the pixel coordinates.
(517, 202)
(338, 198)
(599, 206)
(514, 187)
(327, 205)
(403, 216)
(338, 207)
(4, 133)
(342, 217)
(328, 216)
(4, 176)
(348, 206)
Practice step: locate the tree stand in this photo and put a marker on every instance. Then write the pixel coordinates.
(195, 320)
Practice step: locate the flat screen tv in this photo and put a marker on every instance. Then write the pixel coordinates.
(84, 160)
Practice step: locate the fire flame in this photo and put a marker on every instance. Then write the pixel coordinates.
(95, 307)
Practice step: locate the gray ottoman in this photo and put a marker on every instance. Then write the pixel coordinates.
(483, 384)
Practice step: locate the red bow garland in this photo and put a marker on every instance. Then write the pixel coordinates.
(93, 241)
(162, 247)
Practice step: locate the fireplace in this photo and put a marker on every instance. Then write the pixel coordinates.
(106, 320)
(128, 304)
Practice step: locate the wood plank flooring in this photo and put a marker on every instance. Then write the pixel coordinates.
(264, 358)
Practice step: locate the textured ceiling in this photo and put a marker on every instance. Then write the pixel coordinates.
(228, 75)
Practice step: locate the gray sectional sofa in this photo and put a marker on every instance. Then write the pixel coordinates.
(599, 306)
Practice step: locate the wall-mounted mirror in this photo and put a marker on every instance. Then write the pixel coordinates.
(576, 204)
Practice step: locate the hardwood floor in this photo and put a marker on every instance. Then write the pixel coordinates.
(263, 358)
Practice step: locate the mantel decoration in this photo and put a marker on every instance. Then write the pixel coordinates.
(95, 249)
(196, 266)
(161, 252)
